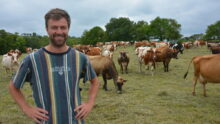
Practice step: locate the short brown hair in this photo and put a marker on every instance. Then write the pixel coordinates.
(57, 14)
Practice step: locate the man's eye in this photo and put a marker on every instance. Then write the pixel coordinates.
(54, 27)
(63, 28)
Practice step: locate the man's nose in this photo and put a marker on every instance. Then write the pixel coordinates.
(59, 31)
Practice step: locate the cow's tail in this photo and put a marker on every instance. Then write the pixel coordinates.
(188, 68)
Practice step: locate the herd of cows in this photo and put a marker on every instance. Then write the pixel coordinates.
(206, 68)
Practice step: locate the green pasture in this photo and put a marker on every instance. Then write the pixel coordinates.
(165, 98)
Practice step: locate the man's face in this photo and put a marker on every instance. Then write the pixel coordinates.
(58, 31)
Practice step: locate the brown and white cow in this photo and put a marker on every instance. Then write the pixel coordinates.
(10, 60)
(123, 61)
(149, 59)
(199, 43)
(106, 67)
(206, 69)
(140, 52)
(110, 47)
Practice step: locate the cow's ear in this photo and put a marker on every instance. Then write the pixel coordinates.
(124, 80)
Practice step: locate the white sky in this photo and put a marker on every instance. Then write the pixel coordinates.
(27, 16)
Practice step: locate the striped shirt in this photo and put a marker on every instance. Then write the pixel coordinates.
(54, 78)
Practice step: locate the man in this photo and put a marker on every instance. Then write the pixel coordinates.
(54, 73)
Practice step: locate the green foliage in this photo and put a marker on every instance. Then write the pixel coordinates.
(10, 41)
(73, 41)
(140, 31)
(213, 31)
(119, 29)
(96, 34)
(192, 38)
(165, 29)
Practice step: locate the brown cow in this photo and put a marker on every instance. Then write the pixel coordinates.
(105, 66)
(92, 51)
(164, 54)
(123, 61)
(215, 49)
(206, 69)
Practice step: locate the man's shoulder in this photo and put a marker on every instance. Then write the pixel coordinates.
(75, 51)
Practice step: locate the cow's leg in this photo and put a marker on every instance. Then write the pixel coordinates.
(194, 85)
(140, 64)
(164, 66)
(121, 68)
(126, 68)
(147, 68)
(105, 82)
(152, 69)
(204, 89)
(167, 67)
(6, 70)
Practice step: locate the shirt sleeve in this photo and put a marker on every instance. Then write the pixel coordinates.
(89, 71)
(23, 73)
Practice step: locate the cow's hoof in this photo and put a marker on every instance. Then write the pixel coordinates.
(193, 93)
(119, 92)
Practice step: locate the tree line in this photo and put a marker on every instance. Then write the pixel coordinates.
(117, 29)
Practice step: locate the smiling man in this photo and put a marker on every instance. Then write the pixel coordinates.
(54, 73)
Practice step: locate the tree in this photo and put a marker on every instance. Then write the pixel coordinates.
(7, 41)
(73, 40)
(192, 38)
(140, 31)
(165, 29)
(196, 37)
(92, 36)
(173, 30)
(119, 29)
(20, 41)
(213, 31)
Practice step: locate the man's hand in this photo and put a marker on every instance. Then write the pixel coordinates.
(83, 110)
(36, 114)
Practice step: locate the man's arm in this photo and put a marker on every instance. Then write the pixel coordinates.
(84, 109)
(34, 113)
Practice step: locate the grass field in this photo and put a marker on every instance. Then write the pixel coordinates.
(165, 98)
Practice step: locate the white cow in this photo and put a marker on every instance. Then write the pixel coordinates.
(10, 61)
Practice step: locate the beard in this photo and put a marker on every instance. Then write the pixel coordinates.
(58, 40)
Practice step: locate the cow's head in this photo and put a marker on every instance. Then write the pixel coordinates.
(123, 55)
(14, 57)
(173, 53)
(120, 82)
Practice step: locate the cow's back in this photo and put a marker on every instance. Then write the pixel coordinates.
(100, 63)
(207, 68)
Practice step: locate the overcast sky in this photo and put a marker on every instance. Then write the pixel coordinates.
(27, 16)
